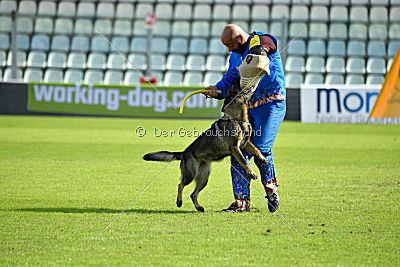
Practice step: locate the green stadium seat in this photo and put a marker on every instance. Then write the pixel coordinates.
(47, 8)
(315, 64)
(378, 32)
(223, 12)
(44, 25)
(37, 59)
(178, 46)
(142, 9)
(123, 27)
(338, 14)
(182, 12)
(99, 44)
(159, 45)
(180, 29)
(202, 12)
(352, 79)
(105, 10)
(157, 62)
(27, 8)
(138, 45)
(198, 46)
(173, 78)
(124, 11)
(23, 42)
(63, 26)
(121, 43)
(319, 13)
(175, 62)
(279, 11)
(60, 43)
(257, 26)
(394, 31)
(336, 48)
(200, 29)
(132, 77)
(139, 28)
(335, 65)
(5, 24)
(113, 77)
(193, 78)
(139, 61)
(338, 31)
(66, 9)
(83, 26)
(80, 43)
(212, 77)
(4, 41)
(195, 63)
(24, 25)
(76, 60)
(97, 60)
(295, 64)
(73, 76)
(93, 77)
(395, 14)
(299, 13)
(378, 14)
(356, 48)
(297, 47)
(57, 60)
(333, 78)
(217, 27)
(85, 9)
(358, 14)
(314, 78)
(355, 65)
(216, 63)
(6, 7)
(53, 76)
(358, 31)
(375, 79)
(33, 75)
(293, 79)
(376, 49)
(115, 61)
(298, 30)
(393, 47)
(104, 26)
(164, 11)
(318, 31)
(376, 66)
(316, 47)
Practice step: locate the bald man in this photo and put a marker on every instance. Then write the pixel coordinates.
(267, 109)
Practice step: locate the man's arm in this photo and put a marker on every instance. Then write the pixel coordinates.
(226, 81)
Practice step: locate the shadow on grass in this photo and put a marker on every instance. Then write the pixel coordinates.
(101, 210)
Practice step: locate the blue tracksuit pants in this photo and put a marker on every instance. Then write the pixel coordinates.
(266, 121)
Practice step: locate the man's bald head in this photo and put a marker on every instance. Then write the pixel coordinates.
(233, 37)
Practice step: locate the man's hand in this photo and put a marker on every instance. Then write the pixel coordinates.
(213, 91)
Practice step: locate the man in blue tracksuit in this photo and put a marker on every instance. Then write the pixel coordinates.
(266, 110)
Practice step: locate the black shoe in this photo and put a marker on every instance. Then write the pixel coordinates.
(273, 201)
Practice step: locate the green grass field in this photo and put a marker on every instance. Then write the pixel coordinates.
(63, 179)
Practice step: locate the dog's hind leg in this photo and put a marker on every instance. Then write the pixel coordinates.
(201, 182)
(189, 169)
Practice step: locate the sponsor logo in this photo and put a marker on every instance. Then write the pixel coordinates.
(111, 98)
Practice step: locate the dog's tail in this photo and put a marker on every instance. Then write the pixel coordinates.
(163, 156)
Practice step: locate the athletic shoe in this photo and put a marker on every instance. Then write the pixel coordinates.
(238, 206)
(273, 201)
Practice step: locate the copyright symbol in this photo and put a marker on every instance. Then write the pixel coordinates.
(140, 131)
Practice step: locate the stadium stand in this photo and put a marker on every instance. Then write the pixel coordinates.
(342, 42)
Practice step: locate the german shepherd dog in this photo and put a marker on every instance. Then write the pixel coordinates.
(227, 136)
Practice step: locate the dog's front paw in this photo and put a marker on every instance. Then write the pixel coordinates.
(253, 176)
(179, 203)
